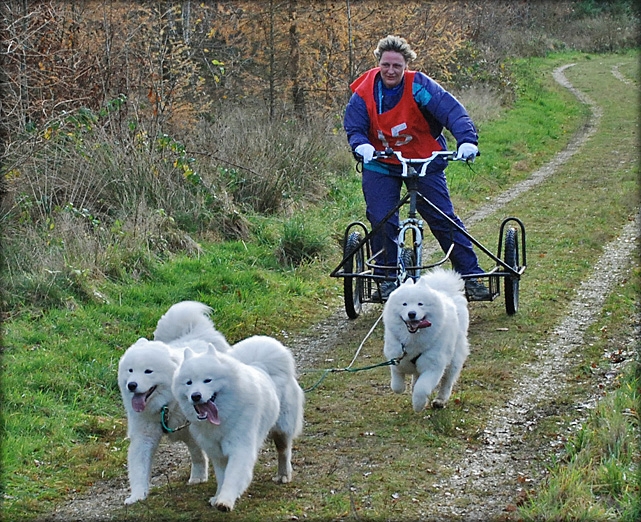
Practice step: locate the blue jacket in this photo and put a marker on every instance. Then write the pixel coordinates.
(438, 106)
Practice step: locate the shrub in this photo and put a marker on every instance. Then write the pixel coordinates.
(266, 166)
(300, 241)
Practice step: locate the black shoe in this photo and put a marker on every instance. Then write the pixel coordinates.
(476, 291)
(383, 291)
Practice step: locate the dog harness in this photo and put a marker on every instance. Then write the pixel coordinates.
(413, 361)
(164, 419)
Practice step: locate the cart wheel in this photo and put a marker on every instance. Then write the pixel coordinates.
(353, 286)
(408, 259)
(511, 283)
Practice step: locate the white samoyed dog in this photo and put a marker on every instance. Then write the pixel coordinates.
(426, 325)
(145, 374)
(234, 400)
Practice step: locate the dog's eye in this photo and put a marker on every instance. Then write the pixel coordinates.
(207, 381)
(149, 371)
(188, 382)
(131, 370)
(404, 304)
(420, 304)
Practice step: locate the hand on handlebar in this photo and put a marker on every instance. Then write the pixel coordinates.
(409, 164)
(366, 151)
(467, 152)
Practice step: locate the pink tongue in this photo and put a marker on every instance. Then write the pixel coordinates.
(209, 409)
(424, 324)
(138, 402)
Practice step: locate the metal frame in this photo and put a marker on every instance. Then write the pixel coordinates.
(414, 226)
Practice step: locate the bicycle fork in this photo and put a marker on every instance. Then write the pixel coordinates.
(410, 249)
(410, 238)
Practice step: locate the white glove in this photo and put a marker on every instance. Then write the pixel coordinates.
(467, 152)
(366, 151)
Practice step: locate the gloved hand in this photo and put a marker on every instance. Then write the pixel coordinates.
(365, 150)
(467, 152)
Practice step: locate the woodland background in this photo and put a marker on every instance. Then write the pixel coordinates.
(130, 130)
(175, 61)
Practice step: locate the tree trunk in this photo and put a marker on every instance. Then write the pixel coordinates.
(272, 54)
(298, 94)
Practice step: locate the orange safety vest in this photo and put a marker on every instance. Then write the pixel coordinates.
(403, 128)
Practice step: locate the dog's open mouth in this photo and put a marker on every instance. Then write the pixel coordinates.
(415, 326)
(139, 400)
(208, 411)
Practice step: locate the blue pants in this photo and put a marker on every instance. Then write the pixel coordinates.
(382, 193)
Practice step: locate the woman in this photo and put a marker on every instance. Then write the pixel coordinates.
(406, 110)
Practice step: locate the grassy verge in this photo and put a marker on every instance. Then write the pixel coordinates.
(596, 475)
(63, 423)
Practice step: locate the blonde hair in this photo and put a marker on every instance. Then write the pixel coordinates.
(395, 44)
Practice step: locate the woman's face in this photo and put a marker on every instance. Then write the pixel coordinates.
(392, 65)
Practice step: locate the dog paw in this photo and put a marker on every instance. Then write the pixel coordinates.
(225, 507)
(418, 404)
(282, 479)
(196, 480)
(221, 504)
(438, 404)
(134, 498)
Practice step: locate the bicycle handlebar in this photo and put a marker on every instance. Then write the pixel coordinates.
(448, 155)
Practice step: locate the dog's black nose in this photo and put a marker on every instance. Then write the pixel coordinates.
(131, 386)
(411, 315)
(196, 397)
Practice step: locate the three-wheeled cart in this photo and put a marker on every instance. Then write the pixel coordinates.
(362, 271)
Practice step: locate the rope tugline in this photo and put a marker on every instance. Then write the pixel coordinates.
(392, 362)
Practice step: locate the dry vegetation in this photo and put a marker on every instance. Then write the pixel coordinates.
(130, 131)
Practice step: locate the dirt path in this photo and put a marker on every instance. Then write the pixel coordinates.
(488, 474)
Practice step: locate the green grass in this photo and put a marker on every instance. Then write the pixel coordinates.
(513, 147)
(64, 426)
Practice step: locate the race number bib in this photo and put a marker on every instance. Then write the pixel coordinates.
(397, 130)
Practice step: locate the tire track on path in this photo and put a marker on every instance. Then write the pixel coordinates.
(488, 476)
(549, 168)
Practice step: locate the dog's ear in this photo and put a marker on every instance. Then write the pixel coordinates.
(211, 350)
(189, 353)
(408, 281)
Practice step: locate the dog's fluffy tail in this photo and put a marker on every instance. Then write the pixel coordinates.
(268, 354)
(277, 361)
(447, 281)
(189, 321)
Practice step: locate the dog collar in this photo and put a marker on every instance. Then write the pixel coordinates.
(164, 419)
